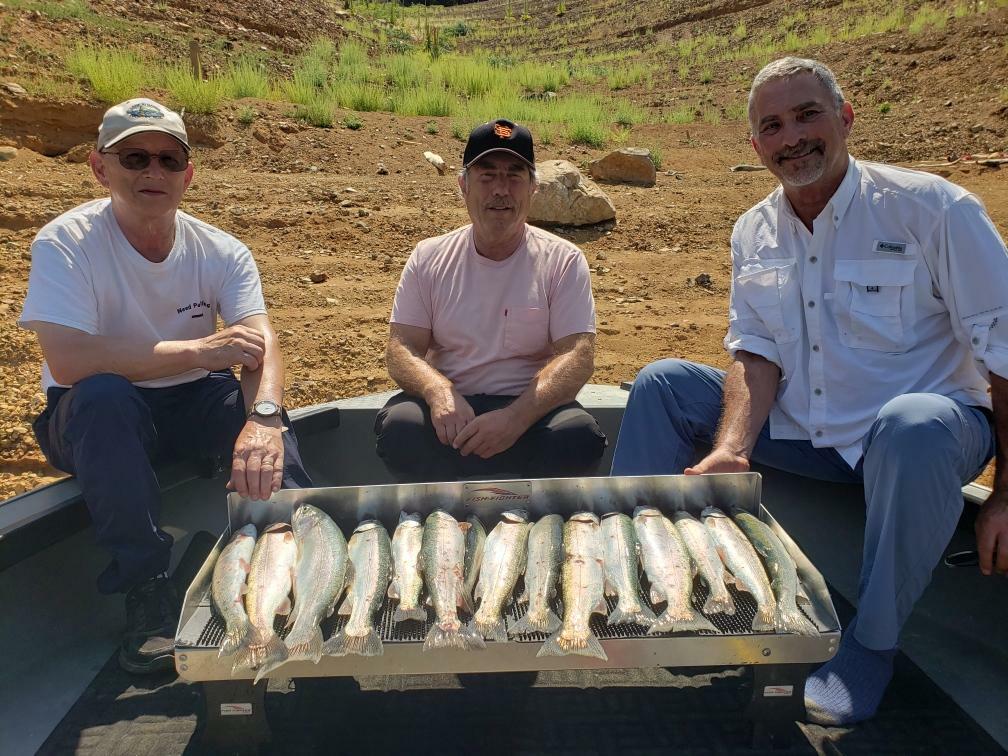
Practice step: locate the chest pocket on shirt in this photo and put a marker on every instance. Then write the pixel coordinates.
(526, 330)
(874, 303)
(770, 287)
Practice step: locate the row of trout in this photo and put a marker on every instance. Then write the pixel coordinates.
(459, 565)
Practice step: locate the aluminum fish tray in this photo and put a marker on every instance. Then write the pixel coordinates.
(201, 630)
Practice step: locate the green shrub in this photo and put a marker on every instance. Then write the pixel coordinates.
(431, 127)
(246, 78)
(656, 157)
(682, 114)
(884, 108)
(246, 116)
(352, 122)
(458, 29)
(588, 133)
(318, 112)
(195, 95)
(424, 102)
(366, 98)
(113, 75)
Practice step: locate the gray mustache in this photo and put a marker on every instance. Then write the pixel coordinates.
(801, 149)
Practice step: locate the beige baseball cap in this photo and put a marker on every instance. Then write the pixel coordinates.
(136, 116)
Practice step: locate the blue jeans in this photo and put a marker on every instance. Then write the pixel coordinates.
(110, 433)
(917, 455)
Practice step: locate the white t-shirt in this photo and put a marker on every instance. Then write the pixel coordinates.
(493, 322)
(86, 275)
(901, 287)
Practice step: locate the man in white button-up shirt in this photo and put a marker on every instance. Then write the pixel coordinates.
(868, 329)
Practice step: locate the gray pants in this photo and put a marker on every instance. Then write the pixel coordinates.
(917, 455)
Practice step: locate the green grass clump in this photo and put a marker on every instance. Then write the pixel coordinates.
(365, 98)
(469, 77)
(884, 108)
(629, 76)
(403, 71)
(431, 127)
(628, 115)
(927, 15)
(246, 78)
(459, 131)
(114, 75)
(246, 116)
(682, 114)
(541, 77)
(352, 122)
(425, 102)
(318, 112)
(656, 157)
(195, 95)
(588, 133)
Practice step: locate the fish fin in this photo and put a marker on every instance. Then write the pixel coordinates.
(524, 597)
(602, 607)
(545, 622)
(285, 607)
(681, 620)
(478, 593)
(609, 589)
(730, 579)
(342, 644)
(347, 606)
(464, 527)
(635, 613)
(264, 653)
(291, 618)
(765, 619)
(393, 589)
(462, 637)
(464, 600)
(401, 615)
(793, 621)
(801, 597)
(428, 601)
(492, 629)
(234, 639)
(244, 589)
(656, 595)
(719, 602)
(557, 645)
(306, 646)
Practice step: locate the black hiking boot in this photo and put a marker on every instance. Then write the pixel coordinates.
(148, 645)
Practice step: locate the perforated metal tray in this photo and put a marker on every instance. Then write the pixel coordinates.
(200, 630)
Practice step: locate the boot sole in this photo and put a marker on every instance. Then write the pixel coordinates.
(157, 664)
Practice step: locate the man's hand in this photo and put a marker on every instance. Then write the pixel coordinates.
(719, 461)
(992, 534)
(450, 413)
(237, 345)
(258, 460)
(489, 434)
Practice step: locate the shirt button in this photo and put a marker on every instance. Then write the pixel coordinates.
(818, 434)
(818, 392)
(976, 340)
(815, 347)
(813, 259)
(811, 303)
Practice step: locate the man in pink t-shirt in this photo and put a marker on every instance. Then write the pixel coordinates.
(492, 335)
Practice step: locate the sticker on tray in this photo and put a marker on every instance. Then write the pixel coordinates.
(236, 709)
(508, 492)
(778, 691)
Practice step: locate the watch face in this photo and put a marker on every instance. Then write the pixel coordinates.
(266, 408)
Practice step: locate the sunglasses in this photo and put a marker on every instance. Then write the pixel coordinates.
(137, 159)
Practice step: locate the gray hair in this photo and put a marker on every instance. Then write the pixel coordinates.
(785, 68)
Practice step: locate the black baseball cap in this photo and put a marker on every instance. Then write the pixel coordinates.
(499, 136)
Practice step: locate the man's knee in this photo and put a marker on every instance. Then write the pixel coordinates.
(662, 375)
(573, 442)
(913, 427)
(401, 430)
(101, 391)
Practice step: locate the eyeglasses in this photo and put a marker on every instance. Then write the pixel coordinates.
(137, 159)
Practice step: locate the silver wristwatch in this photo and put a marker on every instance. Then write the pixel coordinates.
(266, 408)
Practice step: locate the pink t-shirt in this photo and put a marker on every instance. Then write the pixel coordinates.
(492, 323)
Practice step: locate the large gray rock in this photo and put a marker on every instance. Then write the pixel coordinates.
(8, 153)
(15, 89)
(566, 198)
(629, 165)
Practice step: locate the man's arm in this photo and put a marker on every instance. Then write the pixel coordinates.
(258, 458)
(992, 522)
(407, 366)
(73, 355)
(557, 383)
(749, 393)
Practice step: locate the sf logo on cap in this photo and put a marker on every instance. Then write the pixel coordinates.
(502, 131)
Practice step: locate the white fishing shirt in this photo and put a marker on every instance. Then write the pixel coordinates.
(901, 287)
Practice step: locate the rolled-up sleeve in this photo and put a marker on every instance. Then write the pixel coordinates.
(972, 278)
(746, 330)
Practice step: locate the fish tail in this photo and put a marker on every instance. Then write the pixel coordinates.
(263, 652)
(274, 655)
(492, 629)
(791, 620)
(453, 635)
(342, 644)
(559, 645)
(305, 646)
(719, 602)
(249, 650)
(537, 622)
(681, 620)
(631, 612)
(235, 638)
(765, 620)
(417, 613)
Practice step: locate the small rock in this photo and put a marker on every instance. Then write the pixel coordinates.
(382, 170)
(609, 331)
(313, 169)
(318, 277)
(346, 203)
(948, 103)
(436, 160)
(26, 255)
(7, 153)
(703, 281)
(331, 301)
(362, 213)
(15, 89)
(363, 227)
(601, 256)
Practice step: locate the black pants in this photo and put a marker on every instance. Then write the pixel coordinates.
(566, 442)
(109, 433)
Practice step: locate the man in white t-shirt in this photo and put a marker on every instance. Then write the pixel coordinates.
(868, 318)
(124, 296)
(491, 337)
